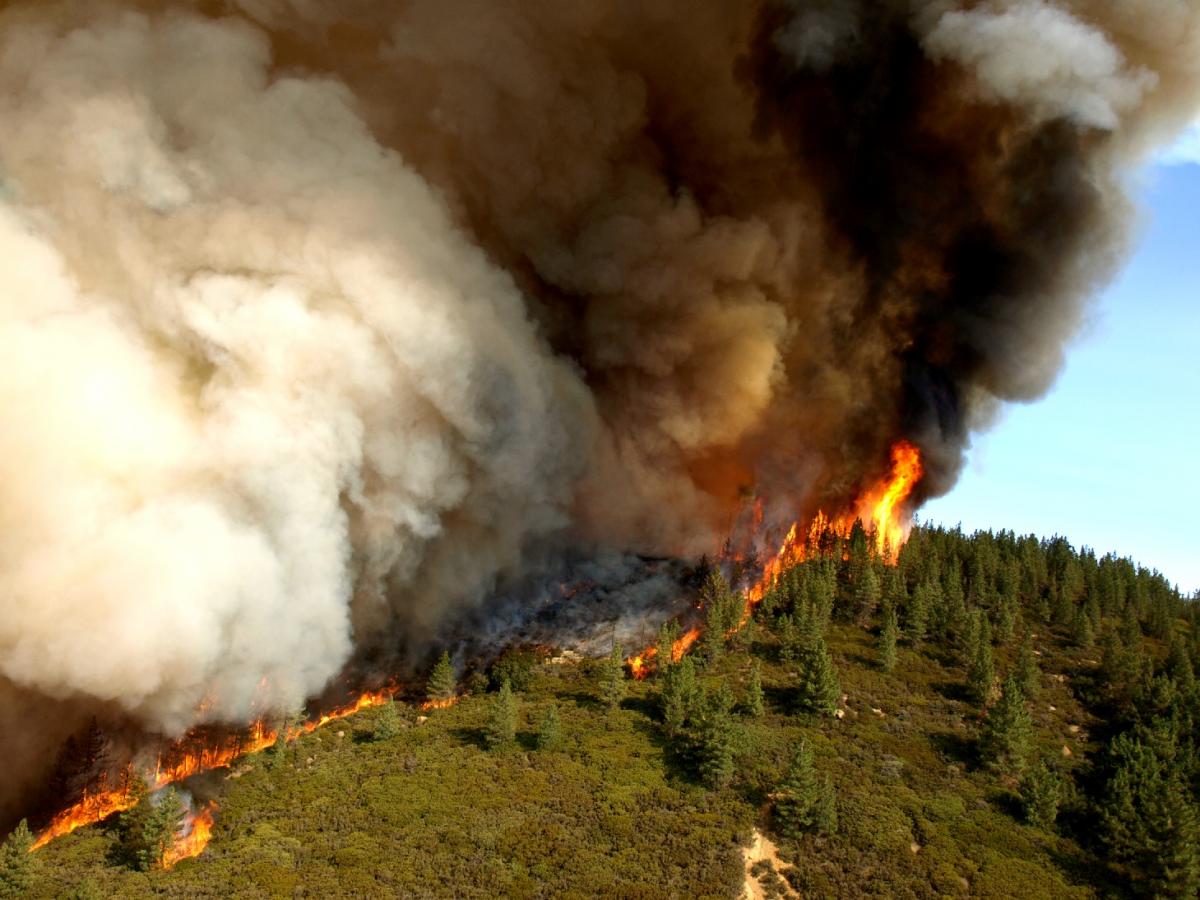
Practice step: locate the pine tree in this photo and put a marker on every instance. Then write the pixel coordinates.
(501, 728)
(867, 593)
(754, 692)
(16, 863)
(715, 738)
(1004, 741)
(1174, 863)
(612, 678)
(677, 696)
(1084, 635)
(387, 723)
(1027, 668)
(980, 672)
(887, 639)
(550, 730)
(1041, 794)
(442, 683)
(804, 802)
(664, 657)
(789, 638)
(161, 828)
(917, 615)
(819, 688)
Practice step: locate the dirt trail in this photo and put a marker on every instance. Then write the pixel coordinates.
(762, 847)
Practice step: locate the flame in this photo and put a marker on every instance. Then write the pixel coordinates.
(92, 808)
(882, 506)
(195, 838)
(188, 757)
(440, 704)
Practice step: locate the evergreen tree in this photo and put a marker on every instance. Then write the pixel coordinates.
(1004, 741)
(887, 639)
(501, 728)
(161, 829)
(612, 678)
(980, 672)
(677, 696)
(1174, 863)
(713, 641)
(917, 615)
(442, 683)
(804, 802)
(1041, 794)
(754, 692)
(550, 730)
(819, 688)
(715, 738)
(1084, 634)
(664, 656)
(867, 592)
(146, 831)
(790, 641)
(387, 723)
(16, 863)
(1027, 668)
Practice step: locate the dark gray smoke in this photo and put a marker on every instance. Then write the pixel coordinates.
(323, 323)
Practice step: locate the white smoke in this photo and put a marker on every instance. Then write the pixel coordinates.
(1042, 57)
(252, 371)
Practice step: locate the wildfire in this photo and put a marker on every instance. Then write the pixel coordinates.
(637, 664)
(882, 507)
(186, 758)
(440, 704)
(194, 840)
(883, 504)
(92, 808)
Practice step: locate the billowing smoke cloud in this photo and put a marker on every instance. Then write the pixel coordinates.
(321, 321)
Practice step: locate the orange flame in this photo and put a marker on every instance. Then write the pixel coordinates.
(440, 704)
(884, 503)
(92, 808)
(882, 506)
(194, 840)
(184, 759)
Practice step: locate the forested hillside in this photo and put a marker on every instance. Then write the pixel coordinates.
(992, 716)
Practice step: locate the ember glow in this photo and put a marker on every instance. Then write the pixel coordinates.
(197, 834)
(883, 507)
(190, 756)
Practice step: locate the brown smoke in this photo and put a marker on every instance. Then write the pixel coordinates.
(323, 321)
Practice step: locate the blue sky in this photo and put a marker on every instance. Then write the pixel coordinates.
(1111, 457)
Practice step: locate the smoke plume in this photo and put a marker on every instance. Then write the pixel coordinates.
(321, 322)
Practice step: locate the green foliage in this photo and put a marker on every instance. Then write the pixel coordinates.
(1027, 672)
(1041, 794)
(981, 674)
(678, 696)
(501, 728)
(612, 678)
(819, 689)
(549, 732)
(917, 615)
(387, 722)
(516, 667)
(1004, 739)
(668, 634)
(753, 703)
(804, 801)
(442, 683)
(715, 738)
(867, 592)
(888, 634)
(148, 829)
(16, 863)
